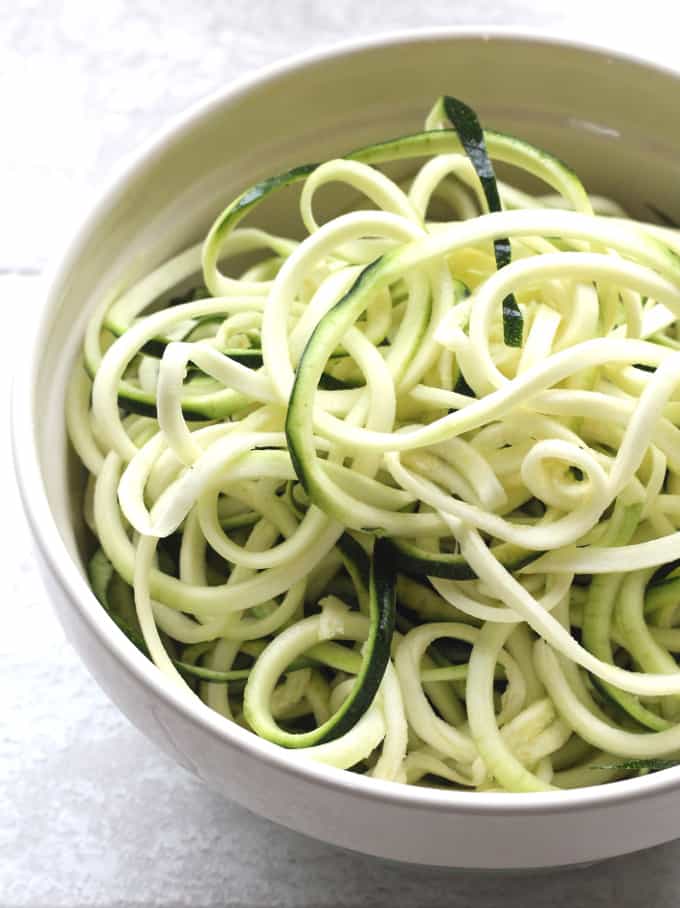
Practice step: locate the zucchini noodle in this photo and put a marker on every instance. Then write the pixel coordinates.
(402, 495)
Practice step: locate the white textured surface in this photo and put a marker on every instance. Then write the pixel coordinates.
(90, 813)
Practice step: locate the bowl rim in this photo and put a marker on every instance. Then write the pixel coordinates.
(74, 586)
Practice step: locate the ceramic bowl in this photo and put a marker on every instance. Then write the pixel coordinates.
(614, 119)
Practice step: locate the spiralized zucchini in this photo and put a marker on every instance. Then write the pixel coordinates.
(403, 496)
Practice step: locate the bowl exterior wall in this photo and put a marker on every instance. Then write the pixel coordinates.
(607, 115)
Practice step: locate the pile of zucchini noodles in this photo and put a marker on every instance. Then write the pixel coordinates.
(404, 496)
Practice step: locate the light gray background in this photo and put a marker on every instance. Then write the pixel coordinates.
(90, 813)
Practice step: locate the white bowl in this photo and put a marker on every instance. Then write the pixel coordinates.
(614, 119)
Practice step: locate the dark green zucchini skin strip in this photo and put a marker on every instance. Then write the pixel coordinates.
(413, 560)
(223, 404)
(429, 143)
(209, 674)
(382, 610)
(645, 719)
(652, 764)
(357, 562)
(298, 397)
(100, 573)
(376, 655)
(471, 135)
(252, 197)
